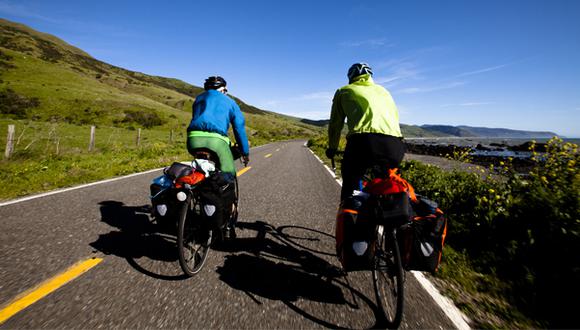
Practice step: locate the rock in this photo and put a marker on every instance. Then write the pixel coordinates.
(539, 147)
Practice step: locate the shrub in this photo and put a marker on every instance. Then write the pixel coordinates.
(524, 228)
(16, 105)
(144, 118)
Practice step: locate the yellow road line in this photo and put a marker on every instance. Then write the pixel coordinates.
(243, 170)
(268, 155)
(33, 295)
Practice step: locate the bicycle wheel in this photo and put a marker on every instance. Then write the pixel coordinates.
(388, 277)
(234, 216)
(193, 239)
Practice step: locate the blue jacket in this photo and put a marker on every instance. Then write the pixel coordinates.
(214, 111)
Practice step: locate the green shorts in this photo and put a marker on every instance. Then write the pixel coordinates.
(216, 143)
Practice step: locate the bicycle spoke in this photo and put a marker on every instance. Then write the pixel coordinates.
(193, 241)
(387, 277)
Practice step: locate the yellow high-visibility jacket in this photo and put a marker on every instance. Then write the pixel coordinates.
(367, 107)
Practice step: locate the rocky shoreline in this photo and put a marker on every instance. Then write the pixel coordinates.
(480, 154)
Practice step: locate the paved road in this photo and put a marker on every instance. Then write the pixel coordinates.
(280, 272)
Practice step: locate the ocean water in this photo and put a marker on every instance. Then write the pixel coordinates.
(474, 141)
(498, 145)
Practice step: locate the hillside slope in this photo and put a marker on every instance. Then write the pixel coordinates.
(43, 78)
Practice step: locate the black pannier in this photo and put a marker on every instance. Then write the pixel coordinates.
(390, 210)
(422, 240)
(217, 194)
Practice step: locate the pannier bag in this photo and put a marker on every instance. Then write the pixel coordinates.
(390, 201)
(159, 184)
(422, 240)
(217, 195)
(354, 234)
(390, 210)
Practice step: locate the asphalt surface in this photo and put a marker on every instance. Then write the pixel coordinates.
(280, 273)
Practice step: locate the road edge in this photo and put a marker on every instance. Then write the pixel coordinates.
(61, 190)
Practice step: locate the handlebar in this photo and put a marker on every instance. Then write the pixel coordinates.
(332, 160)
(237, 154)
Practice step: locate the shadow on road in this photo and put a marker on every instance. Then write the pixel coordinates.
(137, 237)
(277, 265)
(286, 263)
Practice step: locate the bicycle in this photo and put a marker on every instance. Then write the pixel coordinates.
(388, 213)
(177, 195)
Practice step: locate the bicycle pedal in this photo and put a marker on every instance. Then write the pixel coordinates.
(229, 233)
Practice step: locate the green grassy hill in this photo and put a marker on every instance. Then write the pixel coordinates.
(52, 92)
(42, 78)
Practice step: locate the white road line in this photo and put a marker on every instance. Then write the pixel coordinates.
(339, 181)
(58, 191)
(453, 313)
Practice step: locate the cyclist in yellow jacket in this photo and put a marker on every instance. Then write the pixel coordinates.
(374, 134)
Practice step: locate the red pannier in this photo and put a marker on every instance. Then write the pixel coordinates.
(354, 235)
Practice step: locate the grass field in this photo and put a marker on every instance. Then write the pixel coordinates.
(54, 155)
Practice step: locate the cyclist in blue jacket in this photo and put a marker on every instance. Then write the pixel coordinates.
(213, 112)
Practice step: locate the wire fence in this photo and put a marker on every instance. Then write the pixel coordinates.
(57, 139)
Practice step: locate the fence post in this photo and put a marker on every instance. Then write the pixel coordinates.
(92, 143)
(138, 137)
(57, 146)
(171, 136)
(9, 142)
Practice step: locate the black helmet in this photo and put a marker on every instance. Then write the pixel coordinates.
(358, 69)
(214, 82)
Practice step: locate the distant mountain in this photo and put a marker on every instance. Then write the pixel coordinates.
(417, 131)
(469, 131)
(455, 131)
(319, 123)
(407, 130)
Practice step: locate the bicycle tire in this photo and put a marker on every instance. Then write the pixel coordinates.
(234, 216)
(388, 277)
(193, 239)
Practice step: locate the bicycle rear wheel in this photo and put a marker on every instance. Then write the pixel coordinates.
(388, 277)
(234, 216)
(193, 239)
(229, 230)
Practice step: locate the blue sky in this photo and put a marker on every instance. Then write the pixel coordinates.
(511, 64)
